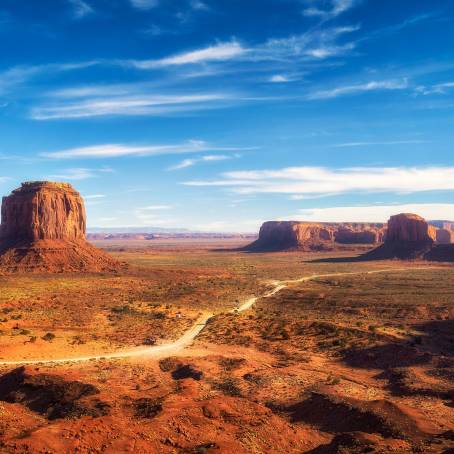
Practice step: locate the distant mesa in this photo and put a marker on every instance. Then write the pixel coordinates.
(310, 236)
(409, 236)
(43, 230)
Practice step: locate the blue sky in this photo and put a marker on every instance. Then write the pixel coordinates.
(219, 115)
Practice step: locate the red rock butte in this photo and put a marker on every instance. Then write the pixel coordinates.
(43, 229)
(409, 236)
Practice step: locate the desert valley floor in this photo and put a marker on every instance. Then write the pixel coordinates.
(284, 353)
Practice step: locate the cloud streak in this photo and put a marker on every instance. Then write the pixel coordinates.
(81, 9)
(215, 53)
(120, 150)
(382, 85)
(139, 104)
(374, 213)
(326, 181)
(336, 7)
(185, 163)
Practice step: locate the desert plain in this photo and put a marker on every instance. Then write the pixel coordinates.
(285, 352)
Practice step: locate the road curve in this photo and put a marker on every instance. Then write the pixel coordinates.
(188, 337)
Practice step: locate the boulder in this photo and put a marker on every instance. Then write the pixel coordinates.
(43, 229)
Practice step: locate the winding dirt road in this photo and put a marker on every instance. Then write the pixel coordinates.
(186, 340)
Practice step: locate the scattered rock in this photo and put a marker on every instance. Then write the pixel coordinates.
(147, 408)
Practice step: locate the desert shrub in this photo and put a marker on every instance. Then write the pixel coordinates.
(48, 337)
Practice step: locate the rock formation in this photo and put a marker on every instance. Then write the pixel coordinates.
(444, 236)
(409, 236)
(43, 229)
(309, 236)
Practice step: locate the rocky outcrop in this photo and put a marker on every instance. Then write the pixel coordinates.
(444, 236)
(43, 211)
(309, 236)
(361, 235)
(43, 230)
(409, 236)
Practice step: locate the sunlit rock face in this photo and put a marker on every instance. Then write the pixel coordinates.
(409, 236)
(43, 211)
(43, 230)
(313, 236)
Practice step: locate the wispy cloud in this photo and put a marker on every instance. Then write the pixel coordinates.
(19, 75)
(384, 143)
(217, 52)
(315, 44)
(198, 5)
(409, 22)
(185, 163)
(81, 173)
(139, 104)
(326, 181)
(439, 89)
(119, 150)
(144, 5)
(156, 207)
(380, 85)
(374, 213)
(81, 8)
(94, 196)
(335, 8)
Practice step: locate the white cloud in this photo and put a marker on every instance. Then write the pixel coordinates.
(218, 52)
(118, 150)
(144, 4)
(360, 88)
(375, 213)
(279, 78)
(326, 181)
(198, 5)
(75, 174)
(386, 143)
(81, 8)
(140, 104)
(94, 196)
(315, 44)
(19, 75)
(156, 207)
(336, 8)
(439, 89)
(209, 158)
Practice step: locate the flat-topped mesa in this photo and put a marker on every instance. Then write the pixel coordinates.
(43, 210)
(314, 236)
(43, 230)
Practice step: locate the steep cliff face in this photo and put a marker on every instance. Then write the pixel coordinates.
(284, 235)
(408, 227)
(409, 236)
(444, 236)
(43, 211)
(43, 230)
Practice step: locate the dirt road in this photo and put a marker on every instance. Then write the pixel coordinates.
(171, 348)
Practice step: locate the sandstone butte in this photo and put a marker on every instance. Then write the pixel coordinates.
(310, 236)
(410, 236)
(43, 230)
